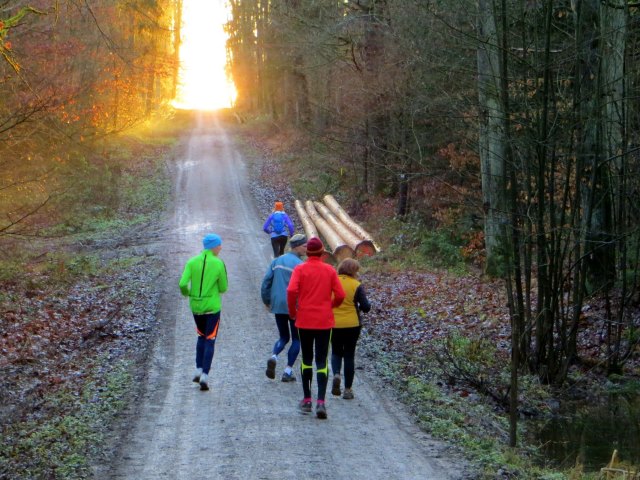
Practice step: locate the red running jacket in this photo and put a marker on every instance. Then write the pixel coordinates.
(309, 294)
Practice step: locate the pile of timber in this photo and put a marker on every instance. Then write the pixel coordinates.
(341, 233)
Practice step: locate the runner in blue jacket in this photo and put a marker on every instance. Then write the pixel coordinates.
(277, 225)
(274, 296)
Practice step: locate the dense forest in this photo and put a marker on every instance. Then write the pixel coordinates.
(72, 74)
(507, 129)
(513, 120)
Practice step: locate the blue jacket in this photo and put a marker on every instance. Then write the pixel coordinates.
(276, 281)
(268, 227)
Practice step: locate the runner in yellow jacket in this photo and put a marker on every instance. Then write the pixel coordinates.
(346, 332)
(204, 280)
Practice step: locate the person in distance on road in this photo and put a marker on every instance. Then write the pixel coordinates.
(277, 225)
(348, 324)
(313, 291)
(204, 280)
(274, 296)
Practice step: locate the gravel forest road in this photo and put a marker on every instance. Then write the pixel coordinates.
(247, 426)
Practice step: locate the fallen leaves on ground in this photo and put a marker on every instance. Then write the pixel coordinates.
(52, 335)
(412, 310)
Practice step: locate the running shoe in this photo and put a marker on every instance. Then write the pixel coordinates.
(271, 368)
(305, 406)
(288, 377)
(348, 394)
(321, 411)
(196, 375)
(204, 385)
(335, 386)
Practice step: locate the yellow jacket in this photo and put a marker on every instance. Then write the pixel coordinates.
(347, 315)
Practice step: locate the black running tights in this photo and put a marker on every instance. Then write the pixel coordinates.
(343, 346)
(321, 338)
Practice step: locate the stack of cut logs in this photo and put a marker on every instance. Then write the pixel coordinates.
(341, 233)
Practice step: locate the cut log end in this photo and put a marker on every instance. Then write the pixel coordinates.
(342, 252)
(328, 257)
(366, 248)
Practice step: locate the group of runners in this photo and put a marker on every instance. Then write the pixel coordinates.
(314, 306)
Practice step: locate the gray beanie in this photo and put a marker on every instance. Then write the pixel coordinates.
(297, 240)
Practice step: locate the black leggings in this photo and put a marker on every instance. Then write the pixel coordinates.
(278, 244)
(321, 338)
(343, 345)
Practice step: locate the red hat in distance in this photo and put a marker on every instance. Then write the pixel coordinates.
(314, 246)
(278, 206)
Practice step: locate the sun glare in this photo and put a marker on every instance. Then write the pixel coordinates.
(204, 84)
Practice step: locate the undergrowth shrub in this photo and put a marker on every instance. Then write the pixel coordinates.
(62, 267)
(439, 251)
(435, 248)
(314, 188)
(474, 354)
(112, 193)
(90, 194)
(10, 268)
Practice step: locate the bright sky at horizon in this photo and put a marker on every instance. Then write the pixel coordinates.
(204, 84)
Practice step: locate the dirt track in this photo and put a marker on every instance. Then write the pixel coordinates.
(247, 426)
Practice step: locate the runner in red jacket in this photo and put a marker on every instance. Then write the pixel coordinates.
(313, 291)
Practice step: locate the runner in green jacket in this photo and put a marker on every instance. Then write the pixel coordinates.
(204, 280)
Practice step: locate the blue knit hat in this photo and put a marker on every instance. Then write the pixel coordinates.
(297, 240)
(211, 240)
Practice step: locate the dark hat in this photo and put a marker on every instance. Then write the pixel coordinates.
(211, 240)
(297, 240)
(315, 246)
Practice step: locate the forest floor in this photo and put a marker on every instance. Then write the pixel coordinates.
(76, 333)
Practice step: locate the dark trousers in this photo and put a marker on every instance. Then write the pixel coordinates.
(278, 244)
(343, 346)
(287, 330)
(207, 330)
(321, 339)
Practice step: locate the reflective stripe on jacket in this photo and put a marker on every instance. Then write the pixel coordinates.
(274, 284)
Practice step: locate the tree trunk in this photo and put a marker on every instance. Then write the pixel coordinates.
(403, 195)
(177, 40)
(613, 19)
(491, 137)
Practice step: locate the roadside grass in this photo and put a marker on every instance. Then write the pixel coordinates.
(474, 427)
(62, 446)
(306, 165)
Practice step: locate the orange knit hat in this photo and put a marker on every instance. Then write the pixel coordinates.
(279, 206)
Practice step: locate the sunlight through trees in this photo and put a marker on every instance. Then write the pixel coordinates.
(204, 84)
